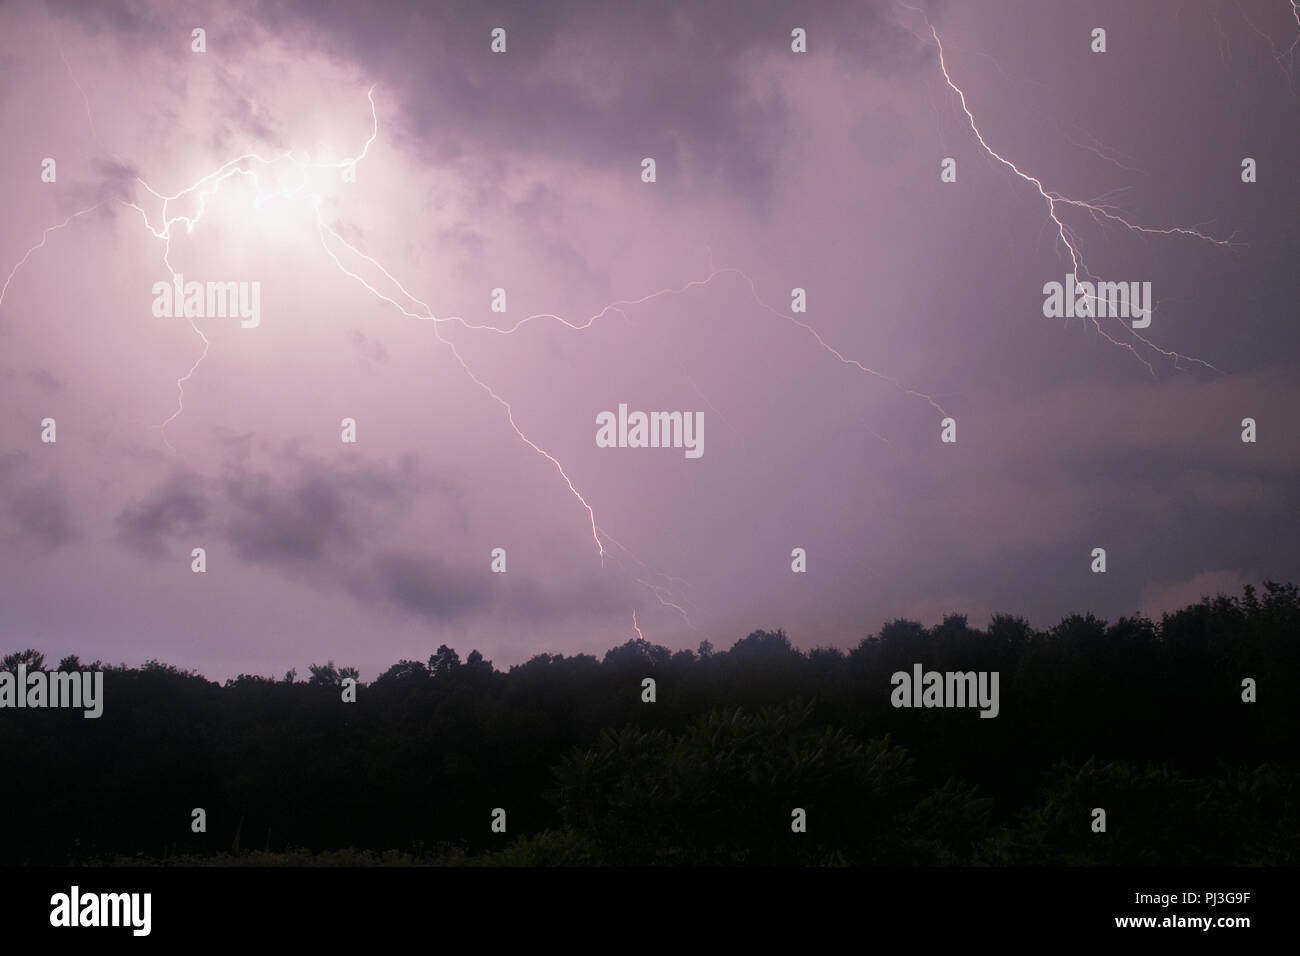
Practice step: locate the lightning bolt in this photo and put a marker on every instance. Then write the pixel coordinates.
(249, 164)
(1285, 59)
(1100, 212)
(41, 245)
(428, 316)
(411, 306)
(208, 186)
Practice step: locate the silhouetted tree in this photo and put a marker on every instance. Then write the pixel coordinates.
(444, 663)
(1142, 717)
(34, 660)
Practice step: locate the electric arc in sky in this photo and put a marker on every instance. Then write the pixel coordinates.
(810, 168)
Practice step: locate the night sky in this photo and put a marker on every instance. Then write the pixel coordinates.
(522, 171)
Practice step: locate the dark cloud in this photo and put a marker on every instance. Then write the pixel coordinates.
(113, 183)
(45, 380)
(159, 25)
(298, 511)
(277, 523)
(426, 585)
(176, 509)
(370, 349)
(436, 588)
(598, 84)
(118, 180)
(39, 506)
(331, 525)
(42, 515)
(517, 163)
(118, 19)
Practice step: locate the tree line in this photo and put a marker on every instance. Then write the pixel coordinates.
(1144, 719)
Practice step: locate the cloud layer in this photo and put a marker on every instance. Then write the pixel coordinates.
(522, 172)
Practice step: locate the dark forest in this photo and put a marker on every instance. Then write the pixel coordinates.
(1144, 719)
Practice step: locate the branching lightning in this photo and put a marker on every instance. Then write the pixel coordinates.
(1285, 59)
(399, 297)
(249, 164)
(1099, 211)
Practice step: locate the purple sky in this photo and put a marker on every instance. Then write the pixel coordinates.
(522, 170)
